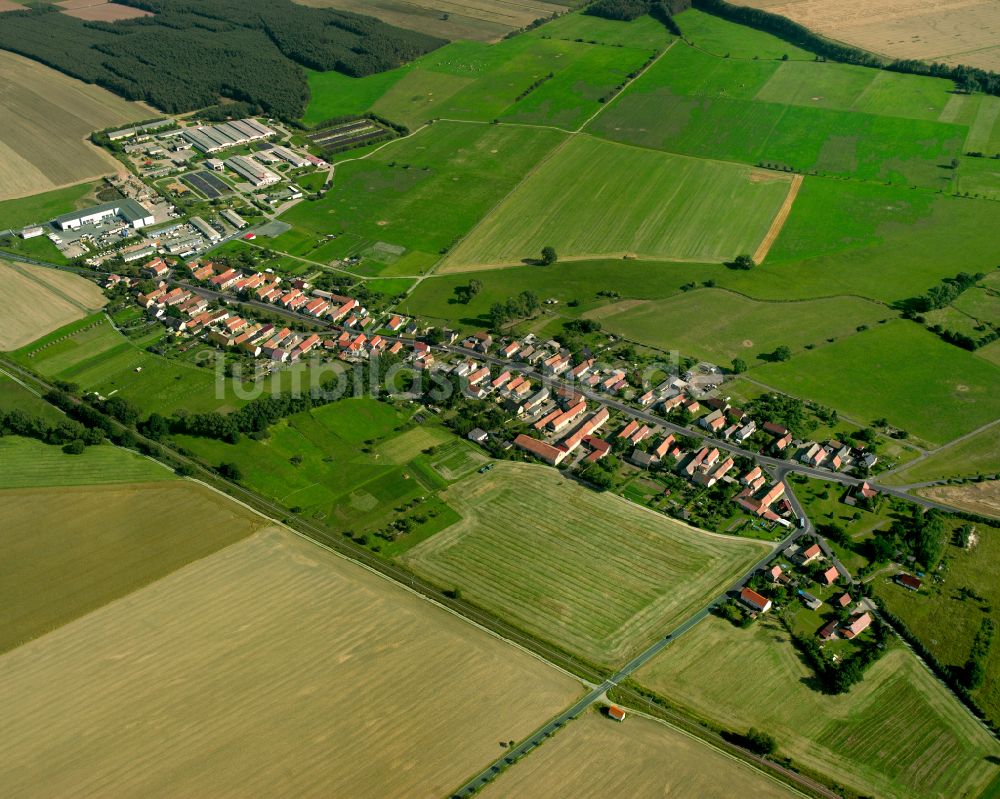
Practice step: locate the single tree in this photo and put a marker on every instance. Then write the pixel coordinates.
(782, 353)
(549, 256)
(744, 262)
(739, 366)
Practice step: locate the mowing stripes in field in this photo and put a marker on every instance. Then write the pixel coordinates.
(598, 198)
(590, 572)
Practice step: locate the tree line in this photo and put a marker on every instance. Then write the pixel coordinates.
(191, 53)
(966, 78)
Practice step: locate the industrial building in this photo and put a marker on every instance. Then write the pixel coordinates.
(234, 218)
(135, 130)
(255, 173)
(205, 229)
(129, 211)
(212, 138)
(294, 159)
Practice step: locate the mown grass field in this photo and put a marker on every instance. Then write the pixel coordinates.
(719, 37)
(594, 757)
(55, 113)
(594, 574)
(71, 550)
(718, 325)
(269, 667)
(978, 454)
(426, 192)
(947, 622)
(35, 301)
(900, 371)
(91, 353)
(26, 463)
(594, 198)
(899, 733)
(15, 396)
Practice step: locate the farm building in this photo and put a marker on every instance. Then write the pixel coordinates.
(754, 600)
(31, 232)
(205, 229)
(212, 138)
(617, 713)
(233, 218)
(546, 452)
(478, 435)
(909, 581)
(256, 174)
(857, 625)
(125, 209)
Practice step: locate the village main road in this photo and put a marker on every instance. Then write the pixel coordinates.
(779, 466)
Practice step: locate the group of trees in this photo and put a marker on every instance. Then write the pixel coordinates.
(522, 306)
(71, 435)
(974, 671)
(943, 294)
(626, 10)
(789, 412)
(923, 535)
(192, 52)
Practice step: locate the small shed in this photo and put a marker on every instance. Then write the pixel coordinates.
(617, 713)
(478, 435)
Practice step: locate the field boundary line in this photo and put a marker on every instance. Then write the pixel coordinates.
(396, 583)
(778, 223)
(625, 87)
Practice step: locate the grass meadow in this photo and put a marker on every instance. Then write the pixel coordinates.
(899, 733)
(426, 192)
(46, 205)
(590, 572)
(978, 454)
(93, 354)
(594, 198)
(269, 667)
(900, 371)
(719, 325)
(71, 550)
(815, 118)
(348, 465)
(27, 463)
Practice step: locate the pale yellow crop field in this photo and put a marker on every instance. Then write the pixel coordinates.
(47, 117)
(35, 301)
(270, 668)
(482, 20)
(952, 31)
(595, 757)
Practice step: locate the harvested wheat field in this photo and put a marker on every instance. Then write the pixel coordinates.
(48, 117)
(482, 20)
(982, 498)
(69, 550)
(35, 301)
(271, 668)
(952, 31)
(8, 5)
(100, 10)
(595, 757)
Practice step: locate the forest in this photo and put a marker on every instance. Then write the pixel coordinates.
(178, 61)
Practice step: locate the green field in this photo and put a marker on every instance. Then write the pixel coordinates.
(590, 572)
(15, 396)
(978, 454)
(945, 621)
(360, 461)
(644, 32)
(594, 198)
(900, 371)
(423, 193)
(718, 325)
(69, 551)
(897, 734)
(40, 208)
(815, 118)
(98, 358)
(719, 37)
(27, 463)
